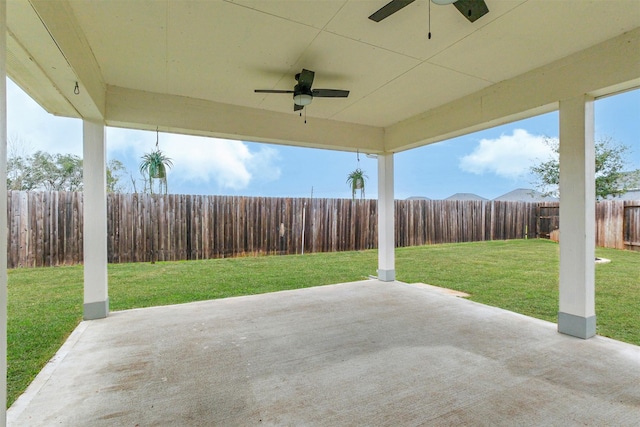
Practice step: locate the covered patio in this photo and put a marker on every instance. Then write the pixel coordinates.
(361, 353)
(191, 67)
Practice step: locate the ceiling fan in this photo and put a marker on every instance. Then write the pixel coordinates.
(471, 9)
(302, 92)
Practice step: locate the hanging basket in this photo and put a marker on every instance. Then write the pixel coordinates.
(356, 181)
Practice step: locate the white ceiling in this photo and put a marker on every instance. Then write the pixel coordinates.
(211, 55)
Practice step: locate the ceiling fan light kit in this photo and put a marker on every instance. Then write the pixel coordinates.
(302, 99)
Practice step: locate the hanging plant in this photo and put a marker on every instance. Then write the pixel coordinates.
(154, 166)
(356, 181)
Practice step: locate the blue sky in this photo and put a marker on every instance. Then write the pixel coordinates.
(488, 163)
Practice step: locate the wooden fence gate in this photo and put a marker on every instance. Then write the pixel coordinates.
(631, 232)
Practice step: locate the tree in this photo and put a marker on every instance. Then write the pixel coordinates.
(610, 162)
(44, 171)
(115, 169)
(55, 172)
(154, 166)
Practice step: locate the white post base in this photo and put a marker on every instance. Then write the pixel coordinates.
(576, 326)
(96, 310)
(387, 275)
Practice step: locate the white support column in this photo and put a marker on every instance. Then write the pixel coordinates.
(386, 220)
(96, 297)
(3, 212)
(577, 218)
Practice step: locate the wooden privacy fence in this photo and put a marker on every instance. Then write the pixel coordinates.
(422, 222)
(617, 223)
(45, 228)
(143, 227)
(631, 226)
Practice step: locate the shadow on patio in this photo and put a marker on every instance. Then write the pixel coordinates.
(362, 353)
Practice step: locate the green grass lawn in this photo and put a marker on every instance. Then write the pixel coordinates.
(522, 276)
(45, 304)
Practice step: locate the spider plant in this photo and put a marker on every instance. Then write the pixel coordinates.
(154, 165)
(356, 181)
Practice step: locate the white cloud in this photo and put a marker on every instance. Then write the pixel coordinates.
(262, 166)
(207, 159)
(32, 128)
(229, 164)
(196, 160)
(509, 156)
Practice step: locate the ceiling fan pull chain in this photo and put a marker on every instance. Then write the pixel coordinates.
(429, 24)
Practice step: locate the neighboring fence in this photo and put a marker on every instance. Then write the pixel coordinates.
(617, 223)
(45, 228)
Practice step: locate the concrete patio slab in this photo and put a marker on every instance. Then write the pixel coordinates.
(362, 353)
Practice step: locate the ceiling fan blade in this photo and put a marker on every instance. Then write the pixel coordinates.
(297, 107)
(389, 9)
(330, 93)
(305, 80)
(272, 91)
(472, 9)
